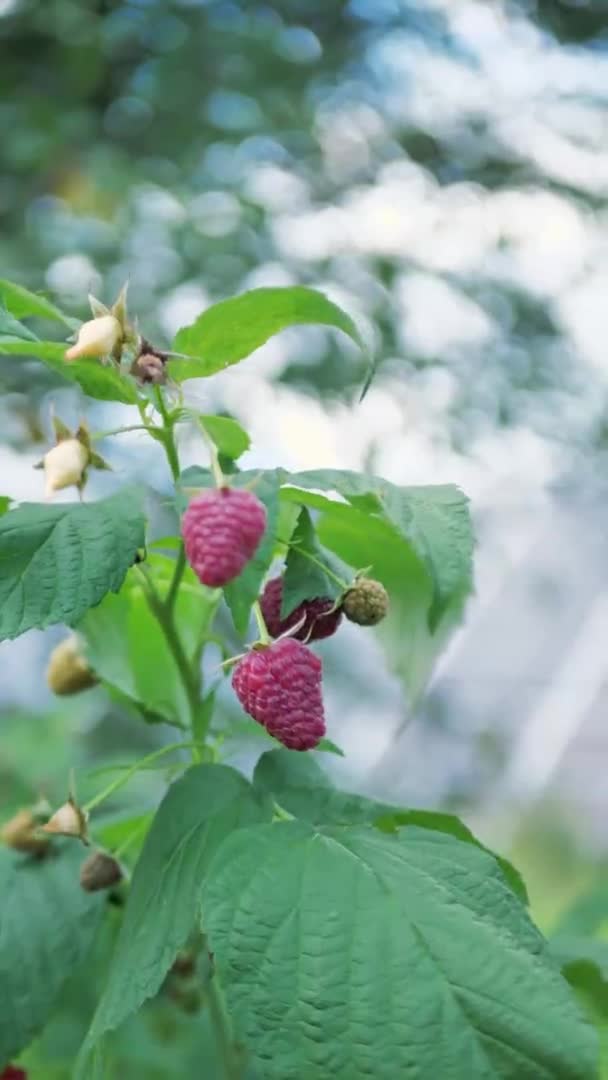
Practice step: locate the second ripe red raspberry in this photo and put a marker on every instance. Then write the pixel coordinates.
(222, 529)
(280, 687)
(320, 617)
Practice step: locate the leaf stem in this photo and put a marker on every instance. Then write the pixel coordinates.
(167, 433)
(231, 1057)
(178, 573)
(326, 569)
(262, 628)
(119, 431)
(135, 768)
(189, 675)
(214, 461)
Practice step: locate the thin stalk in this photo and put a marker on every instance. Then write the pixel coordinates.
(178, 573)
(214, 460)
(262, 628)
(190, 677)
(167, 434)
(321, 565)
(231, 1058)
(119, 431)
(135, 768)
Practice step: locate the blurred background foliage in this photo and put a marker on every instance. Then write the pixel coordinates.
(440, 168)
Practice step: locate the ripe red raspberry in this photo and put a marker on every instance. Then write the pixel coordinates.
(13, 1073)
(321, 619)
(280, 686)
(222, 529)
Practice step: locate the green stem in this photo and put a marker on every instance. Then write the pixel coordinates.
(231, 1058)
(265, 637)
(214, 460)
(312, 558)
(178, 574)
(190, 677)
(167, 433)
(126, 776)
(119, 431)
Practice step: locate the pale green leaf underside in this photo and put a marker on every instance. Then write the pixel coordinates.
(198, 811)
(350, 954)
(434, 520)
(58, 561)
(47, 926)
(232, 329)
(98, 380)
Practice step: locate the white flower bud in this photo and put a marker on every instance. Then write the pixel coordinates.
(97, 337)
(68, 671)
(64, 465)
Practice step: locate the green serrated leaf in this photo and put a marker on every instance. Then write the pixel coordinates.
(47, 926)
(434, 520)
(98, 380)
(304, 577)
(386, 956)
(21, 303)
(127, 648)
(301, 787)
(228, 435)
(244, 590)
(231, 330)
(197, 813)
(59, 561)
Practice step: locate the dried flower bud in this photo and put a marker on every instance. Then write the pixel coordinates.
(21, 833)
(68, 672)
(149, 368)
(69, 820)
(99, 871)
(97, 337)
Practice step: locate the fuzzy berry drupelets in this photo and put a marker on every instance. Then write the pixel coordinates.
(321, 619)
(280, 687)
(366, 602)
(221, 530)
(13, 1073)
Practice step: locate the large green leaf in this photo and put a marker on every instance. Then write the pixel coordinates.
(300, 786)
(197, 813)
(98, 380)
(232, 329)
(127, 648)
(47, 926)
(58, 561)
(434, 520)
(21, 303)
(348, 953)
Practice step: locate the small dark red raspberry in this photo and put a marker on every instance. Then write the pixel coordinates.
(13, 1073)
(321, 620)
(222, 529)
(280, 687)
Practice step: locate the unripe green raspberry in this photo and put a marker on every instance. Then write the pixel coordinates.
(366, 602)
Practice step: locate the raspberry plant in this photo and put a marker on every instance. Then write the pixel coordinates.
(306, 933)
